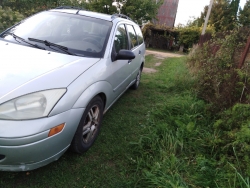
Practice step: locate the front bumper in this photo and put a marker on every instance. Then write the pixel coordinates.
(25, 145)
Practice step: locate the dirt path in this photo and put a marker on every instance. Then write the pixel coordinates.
(160, 56)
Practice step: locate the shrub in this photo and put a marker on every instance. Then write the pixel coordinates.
(215, 65)
(190, 35)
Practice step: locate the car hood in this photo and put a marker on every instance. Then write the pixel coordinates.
(24, 69)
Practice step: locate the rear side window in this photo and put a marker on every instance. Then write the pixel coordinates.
(139, 34)
(133, 37)
(121, 39)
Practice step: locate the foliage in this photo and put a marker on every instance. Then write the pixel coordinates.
(223, 15)
(183, 146)
(233, 142)
(29, 7)
(190, 34)
(16, 10)
(234, 8)
(244, 15)
(104, 6)
(141, 10)
(220, 16)
(158, 35)
(8, 18)
(221, 82)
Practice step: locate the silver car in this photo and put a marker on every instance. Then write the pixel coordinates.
(60, 71)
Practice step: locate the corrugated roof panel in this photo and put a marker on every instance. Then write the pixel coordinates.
(167, 13)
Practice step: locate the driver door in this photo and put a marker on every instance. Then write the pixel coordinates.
(121, 73)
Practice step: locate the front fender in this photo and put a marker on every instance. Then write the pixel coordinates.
(93, 90)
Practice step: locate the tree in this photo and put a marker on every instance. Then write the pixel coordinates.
(140, 10)
(28, 7)
(104, 6)
(234, 8)
(223, 16)
(244, 15)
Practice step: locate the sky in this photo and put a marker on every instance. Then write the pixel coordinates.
(193, 8)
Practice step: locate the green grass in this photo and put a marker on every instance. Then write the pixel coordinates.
(157, 136)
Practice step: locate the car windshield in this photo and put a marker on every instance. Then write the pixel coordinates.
(82, 35)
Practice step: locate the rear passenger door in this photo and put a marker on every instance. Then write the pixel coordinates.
(135, 64)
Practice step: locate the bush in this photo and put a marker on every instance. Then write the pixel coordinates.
(190, 35)
(8, 18)
(215, 65)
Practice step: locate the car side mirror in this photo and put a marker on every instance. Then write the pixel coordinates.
(125, 55)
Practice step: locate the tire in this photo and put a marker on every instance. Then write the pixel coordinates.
(137, 80)
(89, 126)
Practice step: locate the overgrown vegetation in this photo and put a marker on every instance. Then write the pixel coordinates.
(184, 145)
(222, 82)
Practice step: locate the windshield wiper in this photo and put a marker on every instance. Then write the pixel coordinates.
(23, 40)
(47, 43)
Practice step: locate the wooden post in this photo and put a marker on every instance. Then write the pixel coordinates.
(207, 17)
(244, 55)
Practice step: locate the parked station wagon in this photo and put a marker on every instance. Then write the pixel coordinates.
(60, 71)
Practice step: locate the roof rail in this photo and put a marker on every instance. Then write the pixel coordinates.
(121, 16)
(67, 7)
(71, 7)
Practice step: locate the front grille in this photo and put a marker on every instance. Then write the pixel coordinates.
(2, 157)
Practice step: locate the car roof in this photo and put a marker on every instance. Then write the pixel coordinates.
(106, 17)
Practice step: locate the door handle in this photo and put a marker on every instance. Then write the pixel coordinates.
(139, 52)
(129, 61)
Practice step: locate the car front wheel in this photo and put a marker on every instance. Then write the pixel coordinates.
(89, 126)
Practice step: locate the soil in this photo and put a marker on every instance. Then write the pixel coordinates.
(160, 56)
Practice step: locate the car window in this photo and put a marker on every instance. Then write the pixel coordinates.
(139, 34)
(132, 35)
(121, 39)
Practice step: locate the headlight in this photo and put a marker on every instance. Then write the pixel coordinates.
(31, 106)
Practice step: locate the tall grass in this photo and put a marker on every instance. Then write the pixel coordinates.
(178, 148)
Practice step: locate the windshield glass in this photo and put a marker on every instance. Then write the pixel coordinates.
(80, 34)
